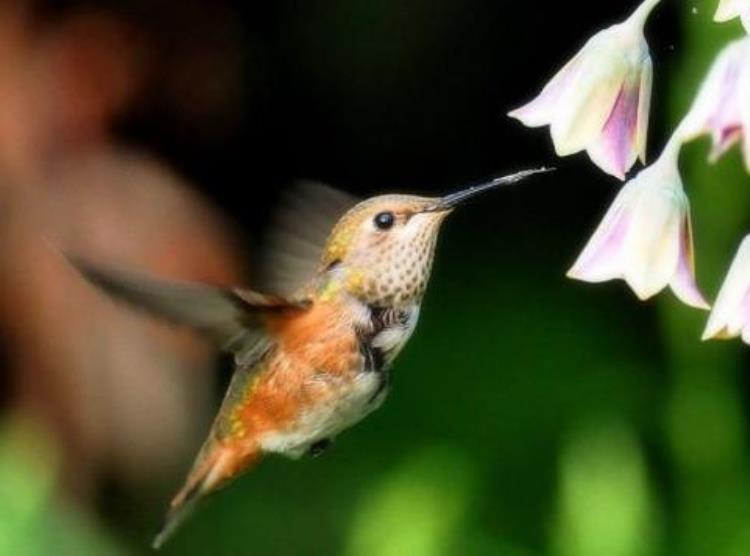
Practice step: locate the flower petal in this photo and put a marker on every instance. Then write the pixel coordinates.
(683, 284)
(644, 108)
(646, 236)
(615, 150)
(746, 335)
(720, 108)
(540, 111)
(586, 104)
(600, 259)
(744, 115)
(740, 320)
(727, 10)
(724, 140)
(727, 316)
(745, 17)
(652, 248)
(715, 92)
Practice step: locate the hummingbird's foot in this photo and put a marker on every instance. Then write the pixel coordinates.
(319, 447)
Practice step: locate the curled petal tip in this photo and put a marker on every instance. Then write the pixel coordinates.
(613, 170)
(643, 291)
(623, 137)
(686, 289)
(537, 112)
(642, 296)
(574, 274)
(698, 303)
(516, 114)
(564, 148)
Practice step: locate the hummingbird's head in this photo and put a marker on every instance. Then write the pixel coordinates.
(381, 250)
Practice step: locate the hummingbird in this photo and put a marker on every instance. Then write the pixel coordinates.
(313, 362)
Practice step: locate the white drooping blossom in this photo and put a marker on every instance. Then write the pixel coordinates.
(646, 236)
(600, 100)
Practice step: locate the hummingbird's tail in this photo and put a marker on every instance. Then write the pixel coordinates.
(212, 470)
(175, 517)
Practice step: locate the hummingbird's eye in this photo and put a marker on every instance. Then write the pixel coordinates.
(384, 220)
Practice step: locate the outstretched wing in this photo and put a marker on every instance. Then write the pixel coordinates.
(234, 318)
(298, 233)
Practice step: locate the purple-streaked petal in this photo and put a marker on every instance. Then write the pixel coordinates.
(721, 108)
(600, 259)
(726, 116)
(713, 104)
(644, 109)
(723, 140)
(585, 106)
(684, 284)
(599, 102)
(646, 236)
(615, 150)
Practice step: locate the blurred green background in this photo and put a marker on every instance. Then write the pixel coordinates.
(530, 415)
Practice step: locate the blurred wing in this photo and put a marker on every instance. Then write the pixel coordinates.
(232, 317)
(298, 234)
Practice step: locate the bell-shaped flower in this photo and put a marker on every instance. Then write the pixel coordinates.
(646, 236)
(722, 108)
(729, 9)
(730, 317)
(600, 100)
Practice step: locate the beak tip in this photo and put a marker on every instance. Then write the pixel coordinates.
(454, 199)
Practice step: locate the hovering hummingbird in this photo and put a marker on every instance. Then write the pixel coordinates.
(316, 361)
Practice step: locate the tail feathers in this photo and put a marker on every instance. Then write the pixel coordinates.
(210, 474)
(175, 517)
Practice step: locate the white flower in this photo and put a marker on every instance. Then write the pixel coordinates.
(646, 236)
(722, 106)
(730, 317)
(729, 9)
(600, 100)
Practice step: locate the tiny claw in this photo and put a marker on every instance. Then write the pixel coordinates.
(319, 448)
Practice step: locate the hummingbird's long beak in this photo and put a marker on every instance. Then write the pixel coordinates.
(452, 200)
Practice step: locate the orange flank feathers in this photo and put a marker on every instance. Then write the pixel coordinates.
(309, 345)
(269, 397)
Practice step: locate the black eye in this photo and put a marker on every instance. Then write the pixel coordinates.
(384, 220)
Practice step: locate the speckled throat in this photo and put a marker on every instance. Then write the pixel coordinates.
(395, 274)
